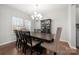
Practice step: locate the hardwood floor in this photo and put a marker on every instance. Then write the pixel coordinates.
(10, 49)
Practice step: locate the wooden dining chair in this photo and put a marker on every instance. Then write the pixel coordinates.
(33, 44)
(52, 46)
(21, 40)
(57, 37)
(17, 38)
(58, 34)
(24, 41)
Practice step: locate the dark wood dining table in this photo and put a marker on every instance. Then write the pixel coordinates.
(42, 36)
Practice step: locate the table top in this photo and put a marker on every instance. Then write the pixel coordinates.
(43, 36)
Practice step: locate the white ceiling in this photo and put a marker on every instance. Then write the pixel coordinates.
(29, 8)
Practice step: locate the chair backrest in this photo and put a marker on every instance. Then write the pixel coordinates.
(58, 34)
(28, 37)
(16, 33)
(20, 34)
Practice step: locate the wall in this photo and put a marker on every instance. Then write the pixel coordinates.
(77, 19)
(77, 15)
(72, 25)
(6, 13)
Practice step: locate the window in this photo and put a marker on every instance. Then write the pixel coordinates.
(17, 23)
(27, 25)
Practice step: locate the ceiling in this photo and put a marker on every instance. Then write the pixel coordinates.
(29, 8)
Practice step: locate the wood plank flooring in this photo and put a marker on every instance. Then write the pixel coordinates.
(10, 49)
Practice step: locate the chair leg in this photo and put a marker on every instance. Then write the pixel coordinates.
(24, 49)
(55, 53)
(31, 51)
(17, 44)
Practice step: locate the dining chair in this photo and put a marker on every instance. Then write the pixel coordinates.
(33, 44)
(56, 41)
(58, 34)
(17, 38)
(24, 41)
(20, 40)
(57, 37)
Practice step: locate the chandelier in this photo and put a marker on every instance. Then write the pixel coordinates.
(36, 15)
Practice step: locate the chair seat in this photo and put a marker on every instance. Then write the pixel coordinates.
(34, 43)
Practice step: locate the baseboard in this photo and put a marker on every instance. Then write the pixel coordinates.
(69, 44)
(7, 42)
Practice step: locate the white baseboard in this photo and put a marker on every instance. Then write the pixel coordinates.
(6, 42)
(69, 44)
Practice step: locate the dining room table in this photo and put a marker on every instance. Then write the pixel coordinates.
(42, 36)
